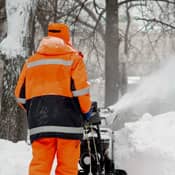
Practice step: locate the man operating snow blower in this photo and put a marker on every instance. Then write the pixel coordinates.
(53, 90)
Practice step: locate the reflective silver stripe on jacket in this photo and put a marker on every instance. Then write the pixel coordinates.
(80, 92)
(50, 61)
(21, 100)
(57, 129)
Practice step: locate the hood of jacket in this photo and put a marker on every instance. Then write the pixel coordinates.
(54, 46)
(59, 30)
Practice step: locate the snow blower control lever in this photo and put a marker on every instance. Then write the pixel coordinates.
(96, 157)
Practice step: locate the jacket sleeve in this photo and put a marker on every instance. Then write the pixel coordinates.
(20, 88)
(81, 86)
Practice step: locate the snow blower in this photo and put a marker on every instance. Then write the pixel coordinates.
(97, 152)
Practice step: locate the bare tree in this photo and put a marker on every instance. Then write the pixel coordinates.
(13, 122)
(3, 19)
(112, 53)
(90, 19)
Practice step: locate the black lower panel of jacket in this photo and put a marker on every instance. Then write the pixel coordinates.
(58, 135)
(54, 110)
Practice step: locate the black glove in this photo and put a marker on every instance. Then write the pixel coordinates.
(88, 115)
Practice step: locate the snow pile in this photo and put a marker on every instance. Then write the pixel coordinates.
(17, 21)
(147, 147)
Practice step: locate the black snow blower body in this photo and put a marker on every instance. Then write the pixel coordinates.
(97, 152)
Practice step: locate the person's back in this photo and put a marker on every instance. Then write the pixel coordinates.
(52, 63)
(53, 89)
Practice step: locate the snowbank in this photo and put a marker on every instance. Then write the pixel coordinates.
(147, 147)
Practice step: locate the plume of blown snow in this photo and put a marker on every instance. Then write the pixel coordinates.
(155, 94)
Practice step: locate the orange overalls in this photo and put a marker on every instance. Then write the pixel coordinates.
(53, 89)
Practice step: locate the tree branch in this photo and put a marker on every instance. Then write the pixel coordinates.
(154, 20)
(166, 1)
(127, 30)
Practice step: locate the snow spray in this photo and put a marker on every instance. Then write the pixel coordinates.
(155, 94)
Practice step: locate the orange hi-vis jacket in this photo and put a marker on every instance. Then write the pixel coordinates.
(53, 89)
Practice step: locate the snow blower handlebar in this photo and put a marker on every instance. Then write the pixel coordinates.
(94, 158)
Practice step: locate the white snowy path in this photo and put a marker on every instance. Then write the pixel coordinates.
(14, 158)
(145, 147)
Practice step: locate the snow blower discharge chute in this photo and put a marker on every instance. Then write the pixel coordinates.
(97, 152)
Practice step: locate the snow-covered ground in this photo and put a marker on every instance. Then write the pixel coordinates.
(14, 158)
(145, 147)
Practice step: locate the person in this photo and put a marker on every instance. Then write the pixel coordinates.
(54, 91)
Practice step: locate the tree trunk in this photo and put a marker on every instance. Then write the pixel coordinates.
(1, 77)
(13, 121)
(3, 19)
(123, 79)
(45, 16)
(55, 11)
(112, 78)
(13, 125)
